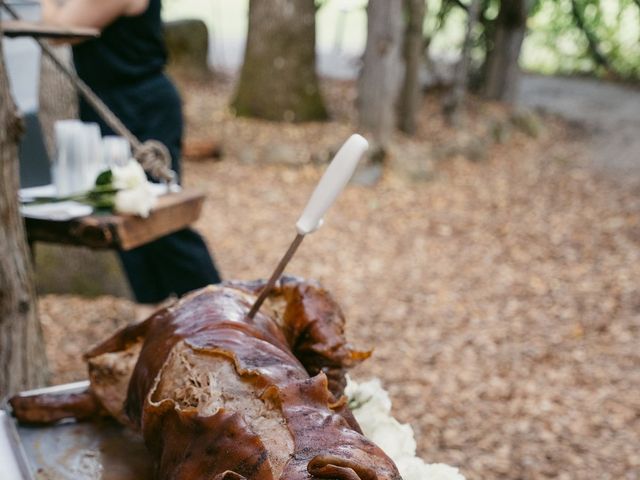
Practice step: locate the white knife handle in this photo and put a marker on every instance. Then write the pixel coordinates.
(336, 177)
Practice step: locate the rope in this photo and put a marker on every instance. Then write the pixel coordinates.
(152, 154)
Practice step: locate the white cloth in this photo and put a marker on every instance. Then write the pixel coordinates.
(59, 211)
(68, 210)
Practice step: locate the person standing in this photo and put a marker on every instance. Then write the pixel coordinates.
(125, 68)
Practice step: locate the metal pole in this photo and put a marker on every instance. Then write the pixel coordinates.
(275, 275)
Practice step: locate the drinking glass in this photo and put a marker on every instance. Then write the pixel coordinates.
(62, 165)
(116, 151)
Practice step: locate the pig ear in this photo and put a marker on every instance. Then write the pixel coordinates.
(337, 468)
(124, 337)
(229, 475)
(315, 329)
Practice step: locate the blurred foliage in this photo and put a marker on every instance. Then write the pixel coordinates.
(554, 43)
(445, 28)
(610, 29)
(599, 37)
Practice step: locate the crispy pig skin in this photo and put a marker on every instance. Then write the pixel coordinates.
(290, 359)
(314, 326)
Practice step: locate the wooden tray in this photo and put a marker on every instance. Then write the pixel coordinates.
(173, 212)
(21, 28)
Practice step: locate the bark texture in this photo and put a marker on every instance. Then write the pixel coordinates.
(502, 73)
(22, 357)
(187, 42)
(458, 91)
(278, 80)
(381, 73)
(411, 93)
(58, 99)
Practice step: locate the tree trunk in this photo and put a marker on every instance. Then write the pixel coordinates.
(381, 72)
(592, 40)
(57, 97)
(458, 91)
(411, 93)
(278, 79)
(22, 357)
(503, 72)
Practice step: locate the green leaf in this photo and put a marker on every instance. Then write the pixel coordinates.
(105, 178)
(103, 201)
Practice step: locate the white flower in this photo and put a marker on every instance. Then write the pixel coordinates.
(371, 406)
(128, 176)
(414, 468)
(369, 394)
(395, 438)
(137, 201)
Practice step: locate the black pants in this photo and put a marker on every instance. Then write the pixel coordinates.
(179, 262)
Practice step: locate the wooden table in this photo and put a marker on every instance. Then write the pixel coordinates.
(173, 212)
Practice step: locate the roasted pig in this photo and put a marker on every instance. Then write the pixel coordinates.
(219, 396)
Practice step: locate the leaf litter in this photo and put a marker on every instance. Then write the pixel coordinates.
(500, 295)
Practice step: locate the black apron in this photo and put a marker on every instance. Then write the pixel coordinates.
(124, 67)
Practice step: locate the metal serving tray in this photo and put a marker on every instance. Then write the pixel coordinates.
(97, 450)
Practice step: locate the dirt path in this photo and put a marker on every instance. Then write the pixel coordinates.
(610, 114)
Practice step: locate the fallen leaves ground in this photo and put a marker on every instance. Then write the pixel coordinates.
(500, 296)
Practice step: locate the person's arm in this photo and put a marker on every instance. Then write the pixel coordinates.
(89, 13)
